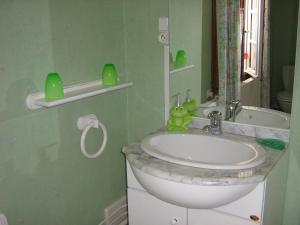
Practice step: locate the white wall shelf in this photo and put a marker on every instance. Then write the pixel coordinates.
(73, 93)
(184, 68)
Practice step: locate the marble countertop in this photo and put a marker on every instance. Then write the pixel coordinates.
(245, 129)
(199, 176)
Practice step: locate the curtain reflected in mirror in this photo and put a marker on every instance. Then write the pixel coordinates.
(242, 46)
(228, 49)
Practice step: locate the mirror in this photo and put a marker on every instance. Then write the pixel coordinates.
(236, 50)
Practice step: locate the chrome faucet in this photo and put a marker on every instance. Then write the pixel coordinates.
(215, 126)
(232, 110)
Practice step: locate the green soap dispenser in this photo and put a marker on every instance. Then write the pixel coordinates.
(190, 104)
(179, 117)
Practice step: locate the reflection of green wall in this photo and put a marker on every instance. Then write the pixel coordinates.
(283, 32)
(190, 30)
(44, 179)
(206, 49)
(292, 206)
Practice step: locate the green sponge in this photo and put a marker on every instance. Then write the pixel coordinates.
(271, 143)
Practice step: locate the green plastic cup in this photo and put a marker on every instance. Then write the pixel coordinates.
(53, 87)
(109, 75)
(180, 59)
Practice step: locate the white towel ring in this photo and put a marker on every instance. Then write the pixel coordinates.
(85, 123)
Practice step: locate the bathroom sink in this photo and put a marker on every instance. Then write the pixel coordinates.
(256, 116)
(200, 153)
(226, 152)
(263, 117)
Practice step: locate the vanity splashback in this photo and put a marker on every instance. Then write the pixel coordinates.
(246, 129)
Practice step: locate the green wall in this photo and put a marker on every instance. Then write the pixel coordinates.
(44, 179)
(292, 206)
(144, 65)
(190, 23)
(283, 34)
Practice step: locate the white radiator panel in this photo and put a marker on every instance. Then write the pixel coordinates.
(3, 220)
(116, 213)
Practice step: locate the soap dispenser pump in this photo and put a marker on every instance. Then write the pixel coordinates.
(179, 117)
(177, 103)
(190, 104)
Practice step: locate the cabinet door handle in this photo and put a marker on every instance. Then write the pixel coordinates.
(174, 221)
(254, 218)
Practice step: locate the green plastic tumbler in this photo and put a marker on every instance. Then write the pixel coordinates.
(180, 59)
(53, 87)
(109, 75)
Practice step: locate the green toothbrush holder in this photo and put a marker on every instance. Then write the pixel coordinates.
(180, 60)
(54, 88)
(109, 75)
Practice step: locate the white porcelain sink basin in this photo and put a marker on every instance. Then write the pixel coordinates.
(204, 151)
(263, 117)
(256, 116)
(197, 149)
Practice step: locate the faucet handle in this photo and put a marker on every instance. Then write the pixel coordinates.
(235, 102)
(215, 114)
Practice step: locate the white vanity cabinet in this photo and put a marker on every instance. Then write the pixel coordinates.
(145, 209)
(264, 205)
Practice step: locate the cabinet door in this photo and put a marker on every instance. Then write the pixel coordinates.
(211, 217)
(145, 209)
(251, 204)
